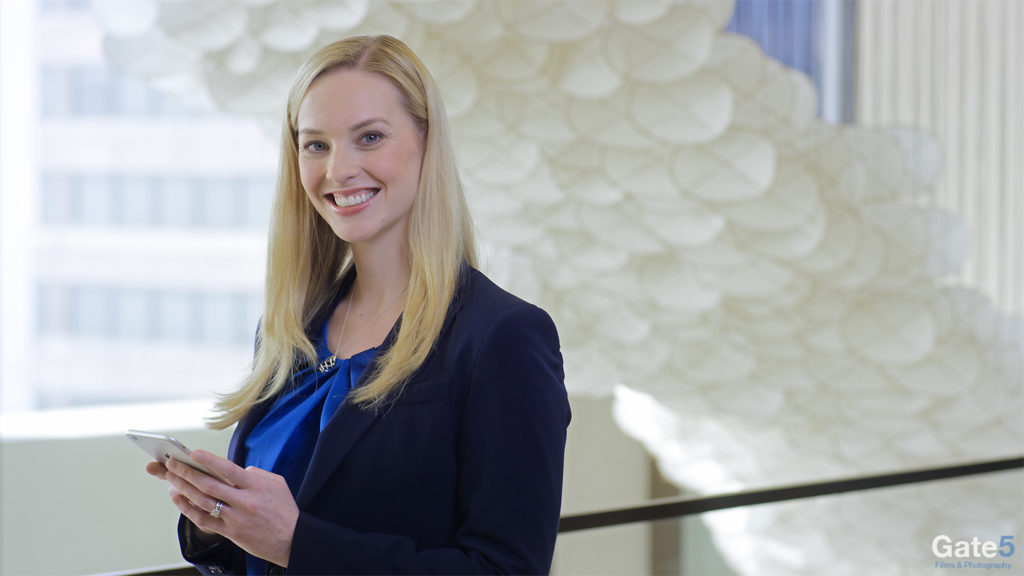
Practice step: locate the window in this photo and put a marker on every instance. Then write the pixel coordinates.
(133, 229)
(815, 37)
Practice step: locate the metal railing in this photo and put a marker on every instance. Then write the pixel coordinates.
(678, 507)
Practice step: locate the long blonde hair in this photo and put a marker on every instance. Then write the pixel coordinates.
(307, 263)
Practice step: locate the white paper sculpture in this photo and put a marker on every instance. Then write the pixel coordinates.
(763, 293)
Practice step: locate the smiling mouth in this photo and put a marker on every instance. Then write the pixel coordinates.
(355, 199)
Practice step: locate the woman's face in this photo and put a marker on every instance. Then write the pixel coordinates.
(359, 156)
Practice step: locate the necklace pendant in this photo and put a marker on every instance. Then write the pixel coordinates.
(327, 364)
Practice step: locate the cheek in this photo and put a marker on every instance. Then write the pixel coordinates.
(309, 177)
(398, 170)
(412, 165)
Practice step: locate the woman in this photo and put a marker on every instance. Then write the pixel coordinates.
(404, 414)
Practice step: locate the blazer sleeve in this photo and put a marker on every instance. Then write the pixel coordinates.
(510, 451)
(212, 555)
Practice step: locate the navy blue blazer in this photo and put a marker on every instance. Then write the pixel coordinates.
(460, 474)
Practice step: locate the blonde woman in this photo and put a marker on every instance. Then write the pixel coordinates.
(404, 414)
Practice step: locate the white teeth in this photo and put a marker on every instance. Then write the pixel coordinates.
(345, 201)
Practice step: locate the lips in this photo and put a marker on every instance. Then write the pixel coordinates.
(350, 199)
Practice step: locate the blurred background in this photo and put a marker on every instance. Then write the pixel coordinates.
(133, 220)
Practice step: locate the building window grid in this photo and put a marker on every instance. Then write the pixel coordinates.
(62, 6)
(234, 203)
(120, 313)
(110, 201)
(94, 90)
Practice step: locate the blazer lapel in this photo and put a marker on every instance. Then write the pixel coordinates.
(340, 434)
(337, 438)
(350, 422)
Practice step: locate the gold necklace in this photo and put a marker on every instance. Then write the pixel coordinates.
(330, 362)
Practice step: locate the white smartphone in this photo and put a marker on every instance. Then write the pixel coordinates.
(163, 447)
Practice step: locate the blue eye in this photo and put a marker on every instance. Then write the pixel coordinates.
(371, 137)
(314, 146)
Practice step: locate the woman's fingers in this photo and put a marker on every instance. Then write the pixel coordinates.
(156, 469)
(195, 494)
(200, 517)
(181, 490)
(262, 520)
(255, 508)
(202, 481)
(258, 513)
(202, 490)
(226, 469)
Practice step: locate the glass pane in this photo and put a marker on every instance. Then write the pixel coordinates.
(57, 199)
(53, 89)
(52, 309)
(175, 206)
(90, 311)
(219, 206)
(135, 97)
(137, 200)
(257, 195)
(134, 314)
(90, 85)
(218, 318)
(92, 200)
(175, 316)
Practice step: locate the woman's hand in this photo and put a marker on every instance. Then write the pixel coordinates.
(258, 512)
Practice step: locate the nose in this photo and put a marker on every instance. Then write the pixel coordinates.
(342, 166)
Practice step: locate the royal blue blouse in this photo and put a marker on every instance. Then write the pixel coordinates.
(284, 440)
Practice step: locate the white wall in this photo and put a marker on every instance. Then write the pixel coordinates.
(603, 469)
(85, 506)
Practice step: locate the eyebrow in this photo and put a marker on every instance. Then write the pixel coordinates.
(354, 128)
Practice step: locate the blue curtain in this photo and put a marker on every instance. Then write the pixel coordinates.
(791, 32)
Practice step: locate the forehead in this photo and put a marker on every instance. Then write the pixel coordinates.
(345, 97)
